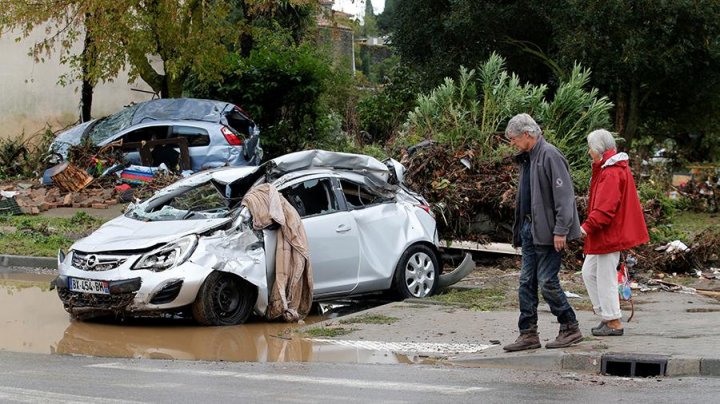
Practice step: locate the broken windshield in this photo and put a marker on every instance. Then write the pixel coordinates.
(112, 124)
(186, 203)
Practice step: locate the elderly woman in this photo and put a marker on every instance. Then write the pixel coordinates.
(614, 223)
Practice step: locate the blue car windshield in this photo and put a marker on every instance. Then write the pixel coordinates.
(109, 126)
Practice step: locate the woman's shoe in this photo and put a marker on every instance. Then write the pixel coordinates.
(605, 331)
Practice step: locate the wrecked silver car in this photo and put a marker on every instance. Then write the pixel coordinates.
(191, 247)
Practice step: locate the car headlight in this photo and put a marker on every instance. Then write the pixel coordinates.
(168, 256)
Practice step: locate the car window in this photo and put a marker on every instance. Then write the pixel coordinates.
(146, 134)
(312, 197)
(359, 196)
(196, 137)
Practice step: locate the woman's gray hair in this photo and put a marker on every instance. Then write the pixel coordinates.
(520, 124)
(601, 141)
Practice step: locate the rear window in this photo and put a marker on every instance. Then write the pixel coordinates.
(196, 137)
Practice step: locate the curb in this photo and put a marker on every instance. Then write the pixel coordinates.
(27, 261)
(677, 365)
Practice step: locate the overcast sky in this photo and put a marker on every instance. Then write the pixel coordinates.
(357, 7)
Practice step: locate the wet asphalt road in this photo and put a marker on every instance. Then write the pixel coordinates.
(47, 357)
(64, 379)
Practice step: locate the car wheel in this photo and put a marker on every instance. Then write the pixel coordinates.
(224, 299)
(417, 272)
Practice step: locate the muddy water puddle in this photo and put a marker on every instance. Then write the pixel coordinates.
(33, 320)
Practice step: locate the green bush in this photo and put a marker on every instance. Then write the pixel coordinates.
(281, 83)
(382, 113)
(475, 108)
(23, 156)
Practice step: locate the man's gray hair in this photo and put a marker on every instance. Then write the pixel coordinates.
(601, 141)
(520, 124)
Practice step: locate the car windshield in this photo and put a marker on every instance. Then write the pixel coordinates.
(109, 126)
(185, 203)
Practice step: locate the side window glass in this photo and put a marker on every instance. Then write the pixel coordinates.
(359, 196)
(146, 134)
(196, 137)
(313, 197)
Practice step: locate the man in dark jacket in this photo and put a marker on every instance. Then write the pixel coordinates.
(546, 219)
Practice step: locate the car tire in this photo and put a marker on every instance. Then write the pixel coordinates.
(417, 273)
(224, 299)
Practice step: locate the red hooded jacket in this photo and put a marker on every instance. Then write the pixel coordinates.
(615, 219)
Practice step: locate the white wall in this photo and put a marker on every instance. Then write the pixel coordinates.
(30, 97)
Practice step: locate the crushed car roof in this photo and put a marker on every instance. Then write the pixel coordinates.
(161, 110)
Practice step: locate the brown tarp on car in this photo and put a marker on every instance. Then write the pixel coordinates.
(292, 292)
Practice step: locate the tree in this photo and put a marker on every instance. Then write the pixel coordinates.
(189, 37)
(386, 18)
(370, 27)
(659, 60)
(438, 36)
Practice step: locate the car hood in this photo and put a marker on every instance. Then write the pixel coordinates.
(125, 234)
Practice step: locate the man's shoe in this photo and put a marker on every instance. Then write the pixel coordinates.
(569, 334)
(528, 340)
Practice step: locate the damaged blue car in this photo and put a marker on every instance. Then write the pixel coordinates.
(215, 133)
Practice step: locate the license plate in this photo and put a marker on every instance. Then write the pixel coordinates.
(88, 286)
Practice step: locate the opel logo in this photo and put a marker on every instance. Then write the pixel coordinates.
(91, 261)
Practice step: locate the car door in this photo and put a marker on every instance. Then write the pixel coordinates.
(331, 232)
(199, 149)
(382, 235)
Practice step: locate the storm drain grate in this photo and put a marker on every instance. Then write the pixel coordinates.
(634, 365)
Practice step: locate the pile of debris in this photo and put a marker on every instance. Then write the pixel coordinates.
(32, 199)
(474, 200)
(92, 177)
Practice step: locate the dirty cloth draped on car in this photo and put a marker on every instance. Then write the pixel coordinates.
(292, 292)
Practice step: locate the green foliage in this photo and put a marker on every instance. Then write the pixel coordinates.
(480, 299)
(383, 112)
(370, 26)
(82, 218)
(660, 60)
(42, 236)
(12, 153)
(370, 319)
(436, 37)
(455, 113)
(24, 157)
(282, 85)
(503, 95)
(328, 331)
(189, 37)
(450, 113)
(572, 114)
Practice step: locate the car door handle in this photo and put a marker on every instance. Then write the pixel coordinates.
(343, 228)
